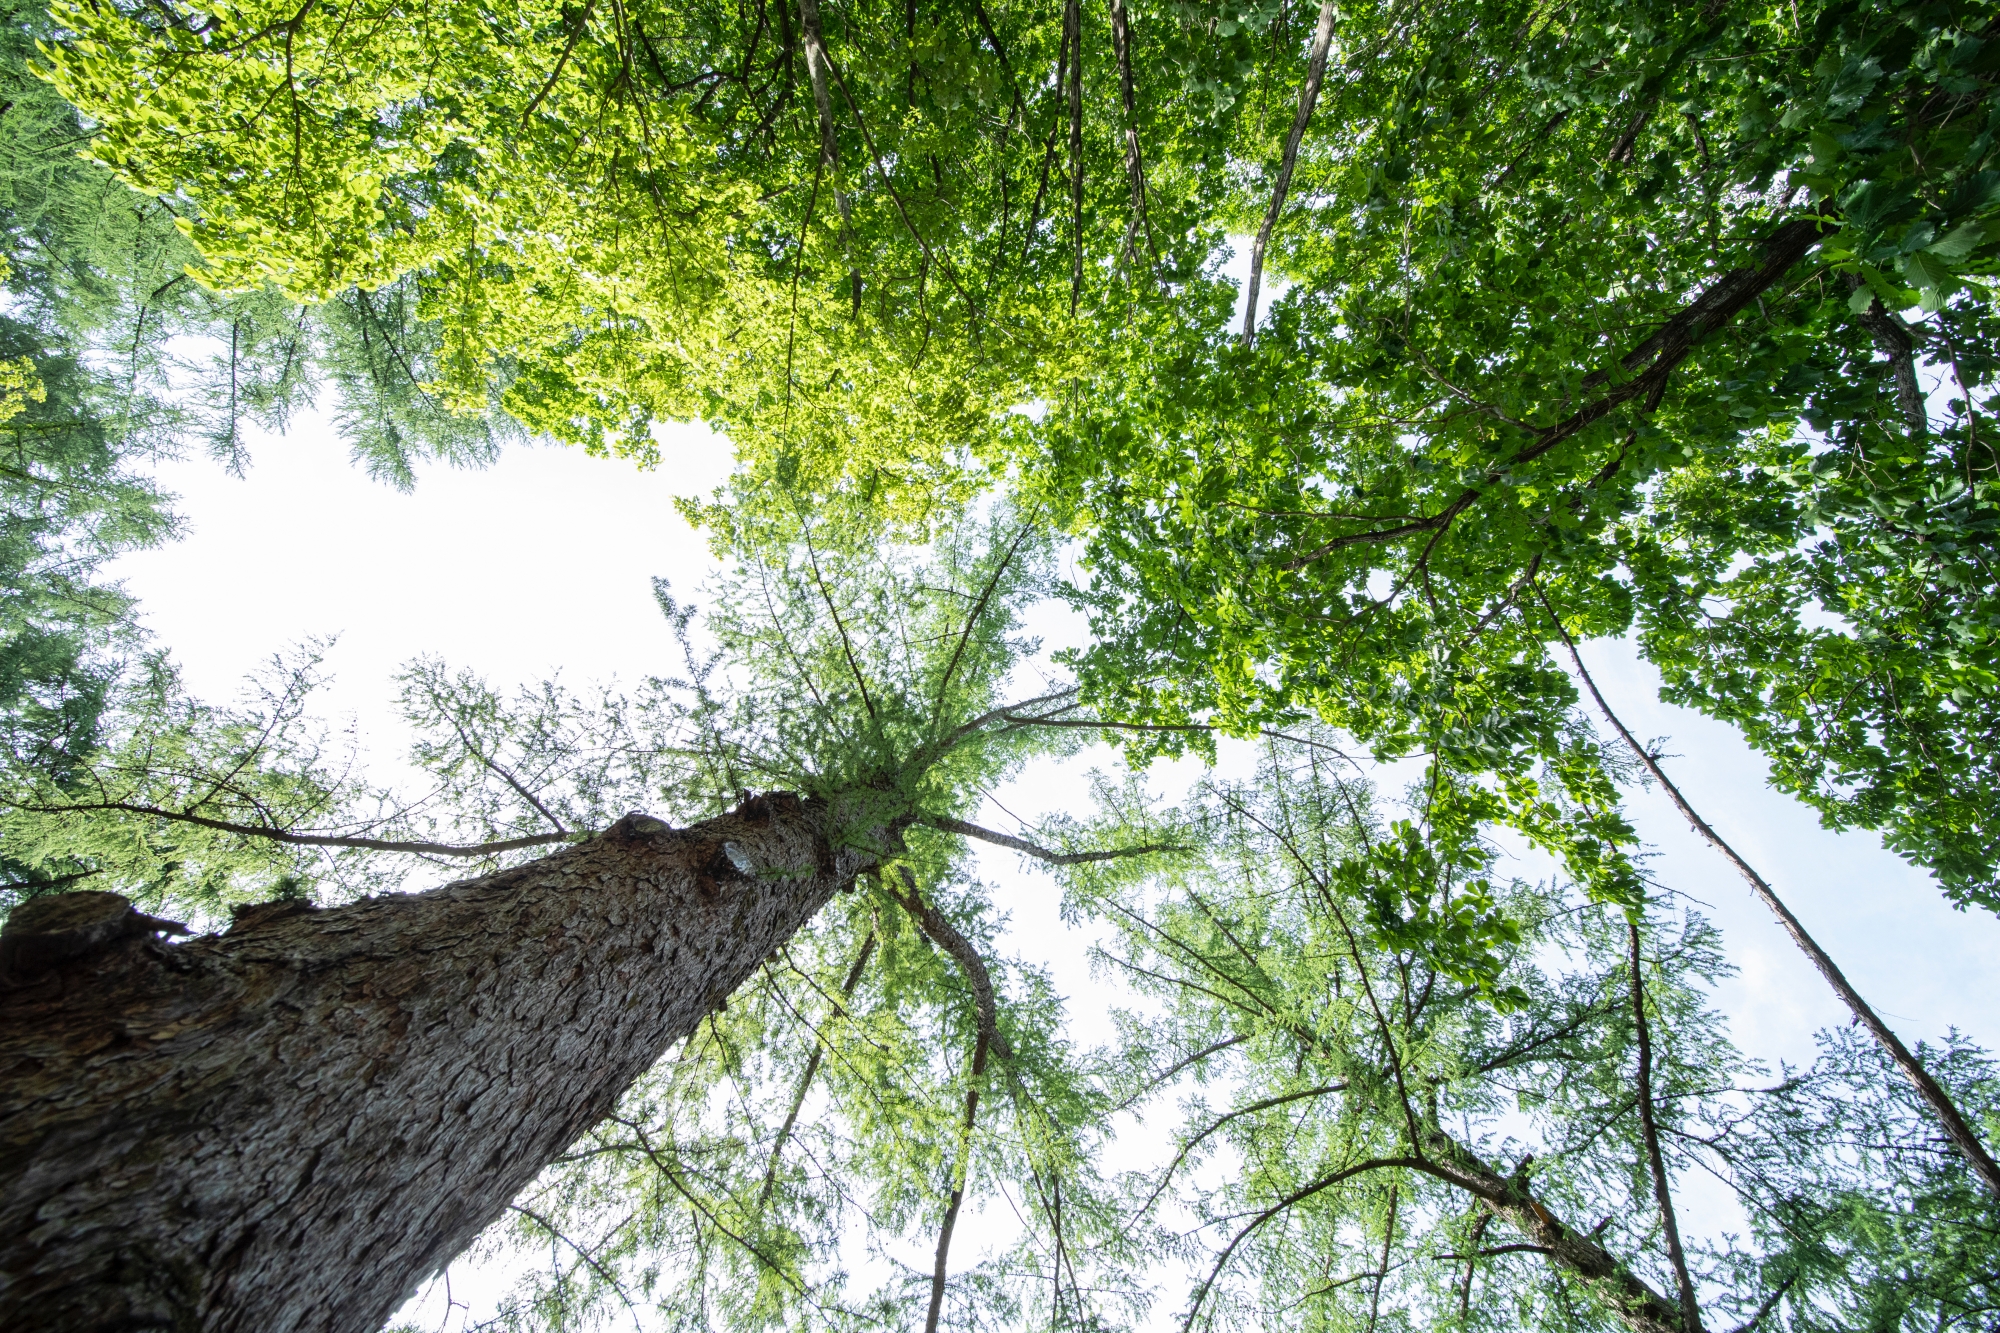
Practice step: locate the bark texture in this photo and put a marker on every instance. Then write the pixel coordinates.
(290, 1125)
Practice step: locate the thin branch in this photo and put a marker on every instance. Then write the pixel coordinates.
(311, 839)
(817, 64)
(495, 766)
(942, 260)
(1188, 1147)
(1652, 361)
(1473, 1253)
(1961, 1133)
(959, 1172)
(812, 1068)
(1519, 1247)
(947, 938)
(965, 830)
(973, 617)
(1770, 1304)
(1388, 1240)
(1662, 1194)
(1135, 167)
(576, 32)
(1290, 1200)
(1211, 1049)
(582, 1254)
(1308, 99)
(1073, 26)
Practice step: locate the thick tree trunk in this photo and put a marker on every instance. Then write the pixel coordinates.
(291, 1125)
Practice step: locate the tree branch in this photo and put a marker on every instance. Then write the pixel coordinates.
(1941, 1104)
(1073, 26)
(1135, 169)
(946, 937)
(1642, 1309)
(312, 839)
(1770, 1304)
(1297, 1196)
(817, 64)
(959, 1173)
(812, 1068)
(965, 830)
(1892, 336)
(1653, 362)
(1662, 1194)
(1308, 99)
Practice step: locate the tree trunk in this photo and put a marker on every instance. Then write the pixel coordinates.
(291, 1125)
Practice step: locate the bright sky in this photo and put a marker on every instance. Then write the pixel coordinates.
(542, 563)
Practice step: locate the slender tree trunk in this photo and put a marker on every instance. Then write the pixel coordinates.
(1663, 1194)
(1961, 1133)
(291, 1125)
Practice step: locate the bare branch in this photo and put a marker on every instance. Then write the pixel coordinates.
(948, 938)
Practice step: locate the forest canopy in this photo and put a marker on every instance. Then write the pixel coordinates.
(1562, 323)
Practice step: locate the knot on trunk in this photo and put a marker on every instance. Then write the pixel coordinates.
(764, 806)
(43, 934)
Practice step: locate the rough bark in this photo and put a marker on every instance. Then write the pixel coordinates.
(1623, 1292)
(289, 1126)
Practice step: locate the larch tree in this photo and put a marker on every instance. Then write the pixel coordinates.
(290, 1123)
